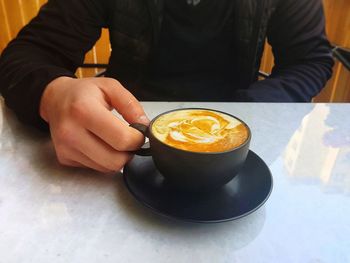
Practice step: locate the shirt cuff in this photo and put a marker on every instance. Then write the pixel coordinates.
(25, 95)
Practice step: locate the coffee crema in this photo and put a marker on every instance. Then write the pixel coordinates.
(200, 130)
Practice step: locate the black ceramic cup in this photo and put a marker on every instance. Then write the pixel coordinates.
(194, 171)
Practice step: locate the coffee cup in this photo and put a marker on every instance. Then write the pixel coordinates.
(196, 149)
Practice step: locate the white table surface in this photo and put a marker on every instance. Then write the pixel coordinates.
(49, 213)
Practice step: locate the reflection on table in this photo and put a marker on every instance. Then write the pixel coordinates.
(317, 137)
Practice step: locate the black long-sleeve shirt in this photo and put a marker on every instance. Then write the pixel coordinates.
(54, 44)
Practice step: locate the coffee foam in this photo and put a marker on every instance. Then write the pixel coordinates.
(200, 130)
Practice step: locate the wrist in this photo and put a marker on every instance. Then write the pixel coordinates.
(49, 94)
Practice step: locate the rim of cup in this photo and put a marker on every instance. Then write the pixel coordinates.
(208, 153)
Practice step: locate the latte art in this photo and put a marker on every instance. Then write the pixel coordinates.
(200, 130)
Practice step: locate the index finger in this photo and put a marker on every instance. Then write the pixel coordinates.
(123, 101)
(102, 123)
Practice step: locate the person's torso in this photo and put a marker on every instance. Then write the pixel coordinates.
(195, 54)
(140, 32)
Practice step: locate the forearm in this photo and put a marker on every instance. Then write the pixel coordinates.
(24, 79)
(297, 83)
(303, 60)
(52, 45)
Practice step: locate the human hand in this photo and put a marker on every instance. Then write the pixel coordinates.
(84, 131)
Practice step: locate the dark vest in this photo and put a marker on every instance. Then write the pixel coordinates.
(135, 26)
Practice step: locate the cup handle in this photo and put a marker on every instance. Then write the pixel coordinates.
(144, 130)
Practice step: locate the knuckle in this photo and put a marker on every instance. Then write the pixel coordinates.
(78, 110)
(118, 164)
(131, 103)
(61, 151)
(64, 136)
(124, 143)
(115, 167)
(62, 157)
(111, 83)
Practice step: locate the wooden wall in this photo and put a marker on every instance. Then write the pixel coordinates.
(16, 13)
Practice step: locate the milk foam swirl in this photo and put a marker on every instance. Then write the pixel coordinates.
(191, 130)
(199, 130)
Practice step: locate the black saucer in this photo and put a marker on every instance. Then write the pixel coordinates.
(243, 195)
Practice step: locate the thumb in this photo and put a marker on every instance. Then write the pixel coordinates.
(123, 101)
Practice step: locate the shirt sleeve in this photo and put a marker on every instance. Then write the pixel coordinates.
(303, 60)
(53, 44)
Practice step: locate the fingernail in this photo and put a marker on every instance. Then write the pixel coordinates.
(143, 119)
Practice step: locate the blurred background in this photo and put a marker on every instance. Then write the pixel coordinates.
(16, 13)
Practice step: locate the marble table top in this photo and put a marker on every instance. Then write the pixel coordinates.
(50, 213)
